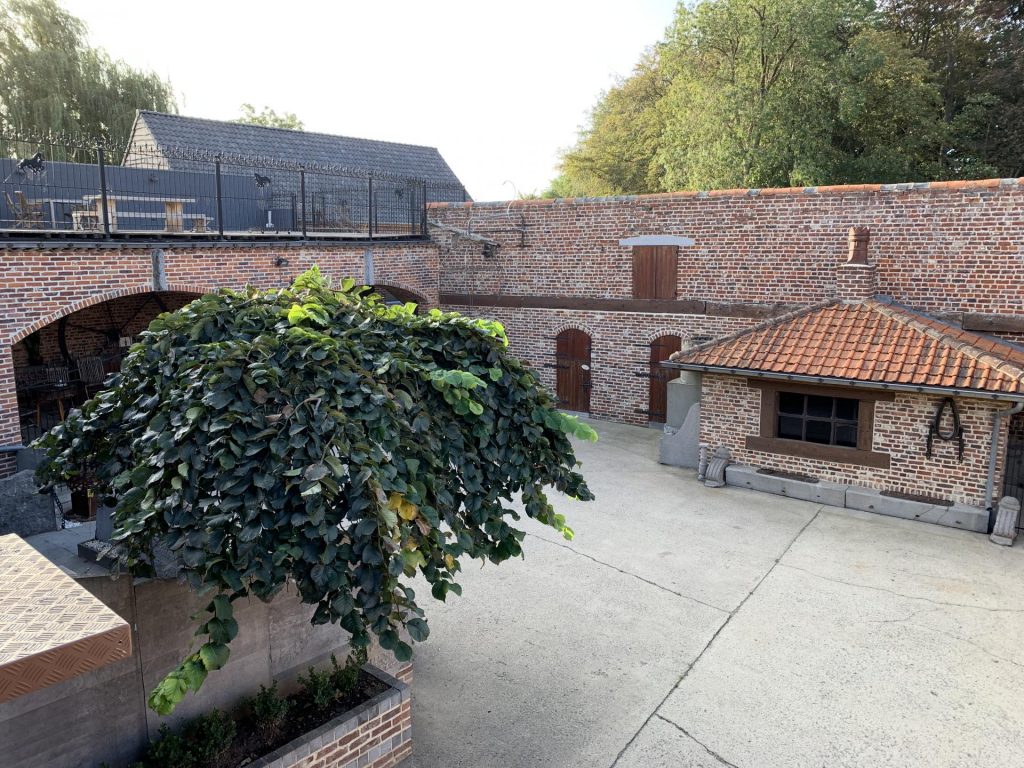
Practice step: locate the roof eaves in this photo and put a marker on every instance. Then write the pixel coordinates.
(910, 318)
(771, 322)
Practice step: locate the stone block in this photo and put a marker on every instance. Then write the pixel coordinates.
(1005, 529)
(822, 492)
(23, 510)
(955, 516)
(680, 447)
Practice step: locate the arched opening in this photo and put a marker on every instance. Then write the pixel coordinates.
(572, 364)
(657, 390)
(60, 365)
(394, 295)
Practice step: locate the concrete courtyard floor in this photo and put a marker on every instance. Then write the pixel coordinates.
(686, 626)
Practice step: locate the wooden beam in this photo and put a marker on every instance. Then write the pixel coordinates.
(986, 323)
(585, 303)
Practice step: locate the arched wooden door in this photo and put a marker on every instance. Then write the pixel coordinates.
(572, 363)
(657, 392)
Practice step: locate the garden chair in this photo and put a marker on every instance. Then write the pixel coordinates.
(91, 375)
(28, 214)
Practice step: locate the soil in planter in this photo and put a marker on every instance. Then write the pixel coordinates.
(787, 475)
(251, 743)
(263, 722)
(918, 497)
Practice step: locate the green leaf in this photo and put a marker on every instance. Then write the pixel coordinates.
(418, 629)
(316, 472)
(297, 314)
(214, 655)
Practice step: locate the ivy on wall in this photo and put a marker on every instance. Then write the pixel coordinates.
(318, 436)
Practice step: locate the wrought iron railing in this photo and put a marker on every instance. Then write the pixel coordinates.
(72, 187)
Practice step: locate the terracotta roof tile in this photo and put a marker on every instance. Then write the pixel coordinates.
(874, 341)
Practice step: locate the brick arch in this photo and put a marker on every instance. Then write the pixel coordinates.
(99, 298)
(576, 326)
(665, 331)
(399, 288)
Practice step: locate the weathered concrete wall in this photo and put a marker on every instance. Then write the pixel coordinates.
(102, 716)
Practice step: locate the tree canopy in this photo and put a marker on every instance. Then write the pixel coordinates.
(269, 118)
(53, 81)
(757, 93)
(321, 437)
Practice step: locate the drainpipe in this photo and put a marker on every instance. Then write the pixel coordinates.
(992, 455)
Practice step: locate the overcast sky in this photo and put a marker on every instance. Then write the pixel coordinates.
(499, 88)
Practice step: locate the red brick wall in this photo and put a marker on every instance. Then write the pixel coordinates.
(620, 348)
(730, 411)
(40, 285)
(941, 247)
(389, 732)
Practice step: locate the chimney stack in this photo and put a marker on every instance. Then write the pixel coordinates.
(859, 238)
(856, 279)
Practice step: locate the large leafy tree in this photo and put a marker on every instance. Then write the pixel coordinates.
(52, 80)
(269, 118)
(320, 437)
(752, 93)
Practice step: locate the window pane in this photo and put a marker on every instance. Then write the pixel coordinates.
(791, 427)
(846, 409)
(846, 435)
(790, 402)
(819, 431)
(820, 406)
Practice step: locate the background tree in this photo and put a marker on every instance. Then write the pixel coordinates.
(269, 118)
(323, 438)
(752, 93)
(52, 80)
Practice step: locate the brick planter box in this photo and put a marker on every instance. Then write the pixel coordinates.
(376, 734)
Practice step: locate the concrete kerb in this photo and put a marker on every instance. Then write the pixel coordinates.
(959, 516)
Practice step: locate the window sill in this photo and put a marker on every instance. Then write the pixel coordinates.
(819, 452)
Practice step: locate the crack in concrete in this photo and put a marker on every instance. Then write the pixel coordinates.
(696, 741)
(628, 573)
(714, 637)
(893, 592)
(906, 621)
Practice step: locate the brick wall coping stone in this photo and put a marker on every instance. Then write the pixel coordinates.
(923, 186)
(335, 730)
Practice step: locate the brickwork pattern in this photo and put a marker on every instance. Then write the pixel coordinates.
(380, 742)
(620, 348)
(941, 247)
(730, 411)
(39, 286)
(377, 736)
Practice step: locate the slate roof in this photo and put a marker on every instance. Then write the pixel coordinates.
(872, 341)
(300, 147)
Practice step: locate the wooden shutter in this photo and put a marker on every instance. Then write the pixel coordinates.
(654, 271)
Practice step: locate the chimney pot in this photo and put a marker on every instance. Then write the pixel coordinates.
(859, 238)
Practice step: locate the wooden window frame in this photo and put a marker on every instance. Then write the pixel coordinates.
(655, 272)
(768, 440)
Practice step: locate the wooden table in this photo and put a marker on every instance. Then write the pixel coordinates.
(174, 216)
(51, 203)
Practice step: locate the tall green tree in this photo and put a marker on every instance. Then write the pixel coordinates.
(52, 80)
(753, 93)
(270, 119)
(619, 152)
(975, 50)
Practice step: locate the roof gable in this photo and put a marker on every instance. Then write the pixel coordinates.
(874, 341)
(300, 147)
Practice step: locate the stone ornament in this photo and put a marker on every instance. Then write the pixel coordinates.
(1005, 530)
(720, 459)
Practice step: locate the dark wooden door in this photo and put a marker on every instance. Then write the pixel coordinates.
(572, 358)
(657, 393)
